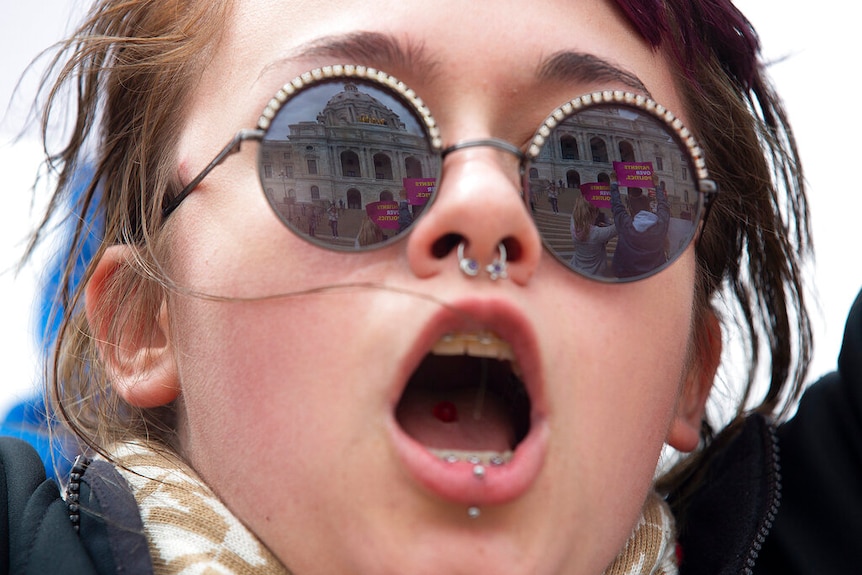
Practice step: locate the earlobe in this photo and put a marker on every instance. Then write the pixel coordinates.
(684, 433)
(135, 348)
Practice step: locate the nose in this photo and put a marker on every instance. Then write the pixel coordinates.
(479, 205)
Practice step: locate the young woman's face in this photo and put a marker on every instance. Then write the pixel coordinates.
(296, 409)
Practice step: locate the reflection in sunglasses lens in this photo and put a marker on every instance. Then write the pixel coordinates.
(348, 164)
(613, 193)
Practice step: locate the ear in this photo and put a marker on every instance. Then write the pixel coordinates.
(684, 433)
(135, 347)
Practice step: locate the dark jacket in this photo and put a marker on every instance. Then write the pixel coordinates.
(787, 501)
(724, 522)
(819, 527)
(639, 252)
(38, 533)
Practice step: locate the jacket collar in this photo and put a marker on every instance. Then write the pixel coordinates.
(726, 517)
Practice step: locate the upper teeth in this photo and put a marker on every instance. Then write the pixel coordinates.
(476, 344)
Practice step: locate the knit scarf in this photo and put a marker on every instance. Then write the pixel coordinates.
(651, 548)
(190, 531)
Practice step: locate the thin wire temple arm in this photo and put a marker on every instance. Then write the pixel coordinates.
(231, 148)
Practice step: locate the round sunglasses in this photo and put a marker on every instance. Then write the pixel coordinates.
(350, 158)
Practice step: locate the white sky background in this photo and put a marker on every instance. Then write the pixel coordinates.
(816, 50)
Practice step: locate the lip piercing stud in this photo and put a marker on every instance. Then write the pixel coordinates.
(479, 471)
(497, 269)
(474, 512)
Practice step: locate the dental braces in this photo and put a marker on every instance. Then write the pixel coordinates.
(483, 337)
(493, 459)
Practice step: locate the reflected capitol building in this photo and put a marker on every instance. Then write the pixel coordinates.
(583, 148)
(356, 151)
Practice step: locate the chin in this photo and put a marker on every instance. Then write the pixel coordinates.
(469, 552)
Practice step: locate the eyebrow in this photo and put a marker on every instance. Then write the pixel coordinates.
(387, 52)
(586, 68)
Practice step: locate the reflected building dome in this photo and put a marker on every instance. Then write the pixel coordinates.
(353, 106)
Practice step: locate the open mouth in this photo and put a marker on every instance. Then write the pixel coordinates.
(466, 400)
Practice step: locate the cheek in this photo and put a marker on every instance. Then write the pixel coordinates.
(286, 365)
(285, 408)
(618, 363)
(262, 350)
(226, 248)
(268, 380)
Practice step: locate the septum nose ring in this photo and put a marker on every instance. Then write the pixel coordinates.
(497, 269)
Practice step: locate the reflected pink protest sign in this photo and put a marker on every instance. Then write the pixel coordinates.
(634, 174)
(419, 190)
(597, 193)
(384, 214)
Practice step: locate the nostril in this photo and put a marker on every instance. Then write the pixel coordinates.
(449, 243)
(514, 249)
(446, 244)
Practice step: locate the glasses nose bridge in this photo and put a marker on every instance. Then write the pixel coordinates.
(496, 144)
(487, 142)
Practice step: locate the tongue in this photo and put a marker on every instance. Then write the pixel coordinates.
(463, 419)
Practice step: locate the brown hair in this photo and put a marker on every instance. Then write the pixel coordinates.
(128, 68)
(369, 232)
(758, 234)
(584, 216)
(759, 231)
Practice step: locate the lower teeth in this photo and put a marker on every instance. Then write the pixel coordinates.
(474, 457)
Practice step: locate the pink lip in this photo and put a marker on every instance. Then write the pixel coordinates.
(457, 482)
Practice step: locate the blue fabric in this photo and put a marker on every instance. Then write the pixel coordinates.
(27, 420)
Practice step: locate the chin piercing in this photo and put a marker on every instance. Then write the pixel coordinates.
(474, 512)
(497, 269)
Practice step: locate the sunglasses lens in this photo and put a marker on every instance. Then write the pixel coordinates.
(348, 164)
(621, 232)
